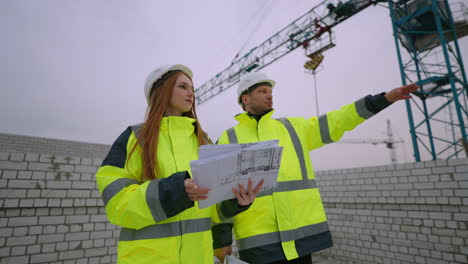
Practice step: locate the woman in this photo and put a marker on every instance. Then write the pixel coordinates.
(145, 179)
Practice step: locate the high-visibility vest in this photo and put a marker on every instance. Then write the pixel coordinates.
(289, 221)
(149, 234)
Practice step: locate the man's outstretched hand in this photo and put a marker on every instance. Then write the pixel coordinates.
(401, 93)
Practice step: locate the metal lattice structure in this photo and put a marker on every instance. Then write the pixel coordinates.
(426, 36)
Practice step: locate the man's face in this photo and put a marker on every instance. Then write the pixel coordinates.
(259, 101)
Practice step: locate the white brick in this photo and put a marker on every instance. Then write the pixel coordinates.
(463, 193)
(84, 185)
(63, 229)
(74, 254)
(446, 185)
(85, 169)
(67, 202)
(21, 241)
(15, 260)
(440, 216)
(5, 252)
(95, 252)
(13, 165)
(421, 171)
(74, 160)
(91, 202)
(33, 249)
(461, 169)
(430, 193)
(51, 238)
(51, 220)
(452, 162)
(24, 174)
(40, 202)
(35, 230)
(77, 236)
(61, 160)
(17, 156)
(461, 217)
(58, 184)
(18, 251)
(32, 157)
(46, 158)
(22, 184)
(78, 193)
(53, 203)
(22, 221)
(41, 258)
(53, 193)
(101, 235)
(461, 258)
(9, 174)
(38, 175)
(75, 219)
(460, 176)
(88, 177)
(6, 232)
(26, 203)
(14, 212)
(79, 202)
(4, 156)
(61, 247)
(35, 166)
(3, 183)
(86, 161)
(48, 248)
(11, 203)
(97, 162)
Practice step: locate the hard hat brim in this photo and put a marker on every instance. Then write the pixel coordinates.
(270, 81)
(155, 75)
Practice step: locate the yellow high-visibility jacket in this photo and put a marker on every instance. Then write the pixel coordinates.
(289, 221)
(159, 223)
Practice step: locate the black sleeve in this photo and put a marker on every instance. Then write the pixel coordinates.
(172, 194)
(230, 208)
(222, 235)
(376, 103)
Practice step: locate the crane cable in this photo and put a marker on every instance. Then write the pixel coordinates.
(257, 26)
(316, 93)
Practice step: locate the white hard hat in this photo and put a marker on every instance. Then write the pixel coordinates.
(160, 71)
(251, 79)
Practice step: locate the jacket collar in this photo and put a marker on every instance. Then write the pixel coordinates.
(178, 123)
(247, 117)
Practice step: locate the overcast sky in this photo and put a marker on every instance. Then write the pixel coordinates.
(75, 69)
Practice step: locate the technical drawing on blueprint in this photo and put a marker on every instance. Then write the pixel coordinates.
(222, 167)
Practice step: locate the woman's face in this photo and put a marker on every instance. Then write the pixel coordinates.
(182, 97)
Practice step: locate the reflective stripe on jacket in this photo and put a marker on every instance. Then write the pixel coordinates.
(159, 223)
(289, 221)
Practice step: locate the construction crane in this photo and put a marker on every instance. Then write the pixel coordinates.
(311, 31)
(424, 28)
(389, 142)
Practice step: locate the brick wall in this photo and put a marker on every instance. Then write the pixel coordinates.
(25, 144)
(51, 210)
(398, 214)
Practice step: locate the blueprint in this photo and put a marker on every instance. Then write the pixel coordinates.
(233, 260)
(222, 167)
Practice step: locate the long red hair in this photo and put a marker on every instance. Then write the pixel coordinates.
(160, 96)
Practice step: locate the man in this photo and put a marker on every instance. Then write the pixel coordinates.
(288, 223)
